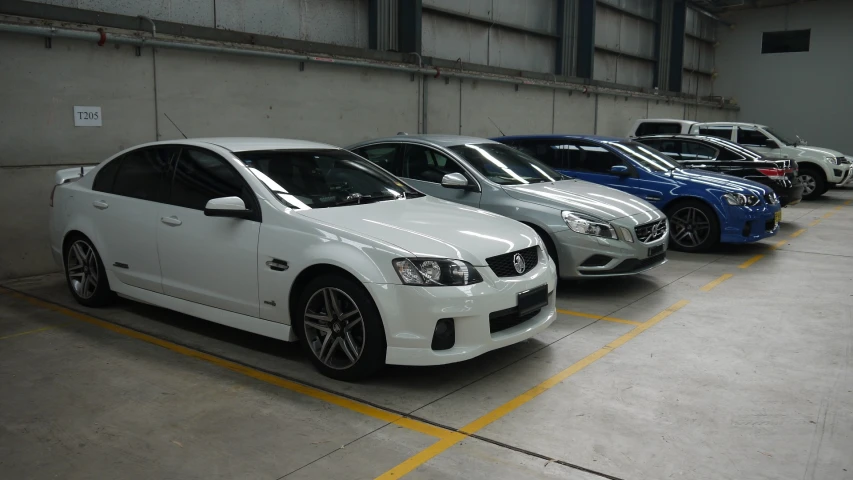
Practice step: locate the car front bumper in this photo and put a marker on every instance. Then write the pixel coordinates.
(587, 256)
(847, 176)
(410, 314)
(840, 174)
(750, 224)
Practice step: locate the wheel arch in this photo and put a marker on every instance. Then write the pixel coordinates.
(304, 277)
(544, 235)
(687, 198)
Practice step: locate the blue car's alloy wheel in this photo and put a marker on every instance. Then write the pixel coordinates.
(693, 227)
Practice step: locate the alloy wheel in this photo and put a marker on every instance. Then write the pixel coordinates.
(690, 226)
(82, 266)
(809, 183)
(334, 328)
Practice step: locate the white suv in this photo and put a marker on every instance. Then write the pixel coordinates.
(820, 168)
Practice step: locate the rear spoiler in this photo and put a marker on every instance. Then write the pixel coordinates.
(71, 174)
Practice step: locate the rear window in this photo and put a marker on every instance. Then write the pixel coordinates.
(719, 132)
(141, 175)
(655, 128)
(106, 176)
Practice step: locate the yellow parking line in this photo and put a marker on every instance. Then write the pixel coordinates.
(37, 330)
(478, 424)
(839, 207)
(828, 214)
(848, 202)
(778, 244)
(797, 233)
(597, 317)
(318, 394)
(749, 262)
(711, 285)
(814, 223)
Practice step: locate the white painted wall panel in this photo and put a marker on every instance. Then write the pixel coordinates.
(574, 114)
(529, 110)
(616, 114)
(443, 106)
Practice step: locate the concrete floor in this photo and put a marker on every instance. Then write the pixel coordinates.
(751, 378)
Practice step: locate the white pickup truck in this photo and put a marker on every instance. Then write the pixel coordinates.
(820, 168)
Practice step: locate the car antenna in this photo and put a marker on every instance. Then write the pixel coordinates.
(496, 126)
(173, 123)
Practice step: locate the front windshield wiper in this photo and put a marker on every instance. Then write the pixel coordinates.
(358, 199)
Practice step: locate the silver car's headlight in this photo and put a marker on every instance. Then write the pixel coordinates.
(589, 225)
(831, 160)
(433, 272)
(741, 200)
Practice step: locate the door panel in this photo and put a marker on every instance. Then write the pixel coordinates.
(124, 203)
(208, 260)
(423, 169)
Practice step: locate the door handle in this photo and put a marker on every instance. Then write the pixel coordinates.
(100, 204)
(171, 221)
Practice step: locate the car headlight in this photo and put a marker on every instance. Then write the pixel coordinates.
(831, 160)
(741, 200)
(433, 272)
(589, 225)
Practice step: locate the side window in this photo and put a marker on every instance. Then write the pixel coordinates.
(697, 151)
(720, 132)
(428, 165)
(563, 156)
(726, 154)
(539, 150)
(596, 159)
(671, 148)
(383, 155)
(201, 176)
(655, 128)
(142, 175)
(749, 137)
(106, 176)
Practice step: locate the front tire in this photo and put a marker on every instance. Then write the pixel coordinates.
(85, 273)
(814, 183)
(340, 328)
(693, 226)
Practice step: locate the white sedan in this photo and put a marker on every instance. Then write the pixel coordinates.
(301, 241)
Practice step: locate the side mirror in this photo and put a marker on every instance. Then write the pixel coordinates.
(771, 144)
(620, 170)
(454, 180)
(233, 207)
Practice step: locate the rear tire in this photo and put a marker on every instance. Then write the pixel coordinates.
(694, 226)
(814, 182)
(340, 328)
(85, 273)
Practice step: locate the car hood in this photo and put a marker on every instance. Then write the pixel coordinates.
(822, 151)
(577, 195)
(727, 183)
(429, 227)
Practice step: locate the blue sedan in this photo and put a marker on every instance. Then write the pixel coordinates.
(703, 207)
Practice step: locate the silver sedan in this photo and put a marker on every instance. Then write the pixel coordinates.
(589, 230)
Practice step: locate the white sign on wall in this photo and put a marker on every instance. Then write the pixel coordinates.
(87, 116)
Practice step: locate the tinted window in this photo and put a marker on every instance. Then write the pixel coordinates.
(696, 151)
(384, 155)
(106, 176)
(669, 147)
(721, 132)
(142, 174)
(589, 158)
(423, 163)
(505, 165)
(751, 138)
(654, 128)
(201, 176)
(786, 42)
(307, 179)
(646, 156)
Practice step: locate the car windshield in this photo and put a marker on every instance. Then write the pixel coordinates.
(783, 138)
(505, 165)
(648, 158)
(305, 179)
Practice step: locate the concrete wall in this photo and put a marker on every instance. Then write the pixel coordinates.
(617, 31)
(211, 95)
(799, 93)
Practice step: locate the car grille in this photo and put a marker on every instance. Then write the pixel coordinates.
(505, 319)
(651, 231)
(504, 265)
(630, 265)
(842, 161)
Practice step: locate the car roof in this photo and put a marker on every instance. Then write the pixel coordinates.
(246, 144)
(437, 139)
(738, 124)
(674, 120)
(600, 138)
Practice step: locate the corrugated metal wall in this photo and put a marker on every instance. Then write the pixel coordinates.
(487, 38)
(699, 67)
(625, 39)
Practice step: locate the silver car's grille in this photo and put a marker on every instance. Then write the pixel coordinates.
(651, 231)
(842, 160)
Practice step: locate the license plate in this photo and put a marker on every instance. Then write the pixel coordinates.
(655, 250)
(532, 300)
(778, 217)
